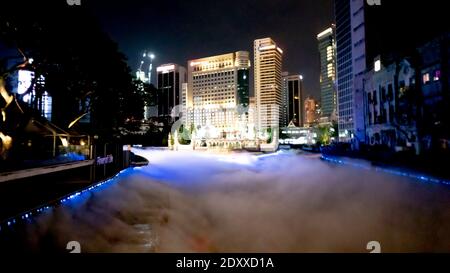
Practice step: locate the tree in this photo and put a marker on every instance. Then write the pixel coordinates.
(184, 135)
(325, 133)
(269, 135)
(78, 60)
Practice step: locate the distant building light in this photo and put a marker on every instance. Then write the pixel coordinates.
(64, 142)
(426, 78)
(280, 50)
(47, 102)
(377, 65)
(437, 75)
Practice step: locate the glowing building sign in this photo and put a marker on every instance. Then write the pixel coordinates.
(165, 68)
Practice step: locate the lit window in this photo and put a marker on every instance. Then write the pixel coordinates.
(329, 53)
(426, 78)
(377, 65)
(437, 75)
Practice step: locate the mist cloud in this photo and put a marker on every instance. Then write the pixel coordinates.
(185, 202)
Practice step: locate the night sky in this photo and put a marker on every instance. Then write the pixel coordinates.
(180, 30)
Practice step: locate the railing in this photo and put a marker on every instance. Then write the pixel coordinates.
(26, 173)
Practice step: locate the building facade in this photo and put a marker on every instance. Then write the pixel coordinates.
(170, 79)
(351, 65)
(359, 59)
(327, 50)
(362, 34)
(284, 103)
(218, 95)
(435, 86)
(268, 83)
(390, 114)
(294, 100)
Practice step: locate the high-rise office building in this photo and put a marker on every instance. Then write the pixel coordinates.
(217, 85)
(344, 68)
(284, 103)
(293, 100)
(268, 83)
(351, 65)
(359, 58)
(327, 50)
(170, 79)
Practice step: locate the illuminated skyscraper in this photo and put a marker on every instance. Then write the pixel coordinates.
(327, 50)
(268, 83)
(351, 64)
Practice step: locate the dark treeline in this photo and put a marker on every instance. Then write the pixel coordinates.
(83, 68)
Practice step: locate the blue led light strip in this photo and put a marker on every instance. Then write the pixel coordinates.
(36, 211)
(419, 177)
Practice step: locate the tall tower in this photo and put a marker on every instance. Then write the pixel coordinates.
(268, 83)
(327, 50)
(344, 45)
(294, 100)
(170, 79)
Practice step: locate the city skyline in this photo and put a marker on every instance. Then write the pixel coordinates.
(173, 35)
